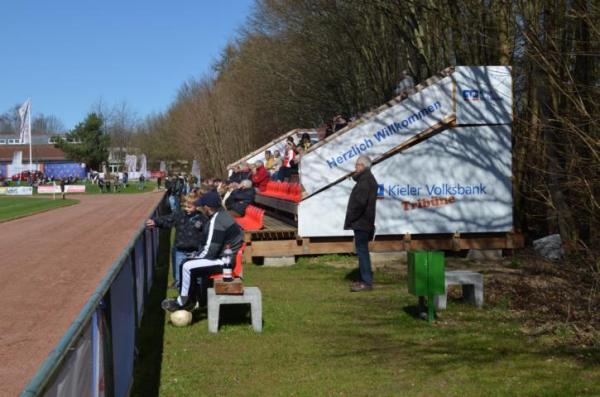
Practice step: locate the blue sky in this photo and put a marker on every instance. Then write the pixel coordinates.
(67, 54)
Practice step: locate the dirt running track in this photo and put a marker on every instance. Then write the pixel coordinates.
(50, 264)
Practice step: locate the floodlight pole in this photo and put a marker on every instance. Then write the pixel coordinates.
(30, 139)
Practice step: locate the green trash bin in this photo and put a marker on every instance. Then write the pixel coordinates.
(426, 276)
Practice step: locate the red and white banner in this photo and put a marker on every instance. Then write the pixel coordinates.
(48, 189)
(75, 188)
(51, 189)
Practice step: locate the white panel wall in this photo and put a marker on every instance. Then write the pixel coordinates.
(458, 180)
(483, 94)
(377, 136)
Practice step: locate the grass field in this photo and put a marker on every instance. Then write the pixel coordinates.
(321, 340)
(18, 207)
(132, 187)
(94, 189)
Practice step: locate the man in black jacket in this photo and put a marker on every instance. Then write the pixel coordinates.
(360, 217)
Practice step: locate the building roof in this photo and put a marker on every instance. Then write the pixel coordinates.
(35, 139)
(39, 152)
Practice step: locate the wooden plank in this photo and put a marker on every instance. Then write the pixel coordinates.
(273, 224)
(308, 246)
(290, 207)
(235, 287)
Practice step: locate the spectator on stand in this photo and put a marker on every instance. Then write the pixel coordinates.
(286, 168)
(405, 85)
(240, 198)
(339, 122)
(241, 172)
(328, 129)
(269, 162)
(277, 162)
(188, 225)
(260, 177)
(296, 164)
(305, 142)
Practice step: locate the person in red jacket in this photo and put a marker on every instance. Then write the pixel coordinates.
(260, 176)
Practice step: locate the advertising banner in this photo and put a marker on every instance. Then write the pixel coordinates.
(3, 191)
(51, 189)
(48, 189)
(456, 181)
(483, 94)
(19, 191)
(74, 188)
(378, 135)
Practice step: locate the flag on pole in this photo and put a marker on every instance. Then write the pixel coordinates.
(25, 127)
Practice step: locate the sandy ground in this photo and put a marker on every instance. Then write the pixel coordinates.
(50, 264)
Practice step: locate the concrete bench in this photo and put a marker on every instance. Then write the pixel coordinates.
(251, 296)
(472, 287)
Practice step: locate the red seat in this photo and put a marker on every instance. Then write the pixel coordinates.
(284, 191)
(238, 270)
(272, 189)
(252, 219)
(296, 192)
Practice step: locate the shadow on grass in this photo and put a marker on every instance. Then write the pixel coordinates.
(146, 381)
(480, 340)
(352, 275)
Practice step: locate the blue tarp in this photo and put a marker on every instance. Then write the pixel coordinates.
(63, 170)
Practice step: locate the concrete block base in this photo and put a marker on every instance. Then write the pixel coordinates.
(472, 287)
(279, 261)
(252, 296)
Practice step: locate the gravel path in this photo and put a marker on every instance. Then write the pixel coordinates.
(50, 264)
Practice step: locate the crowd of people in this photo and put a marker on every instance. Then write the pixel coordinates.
(37, 178)
(207, 237)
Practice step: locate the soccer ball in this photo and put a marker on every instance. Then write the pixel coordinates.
(181, 318)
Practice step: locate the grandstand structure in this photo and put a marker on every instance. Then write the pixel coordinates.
(442, 156)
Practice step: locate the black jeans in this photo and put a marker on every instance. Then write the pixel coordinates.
(361, 242)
